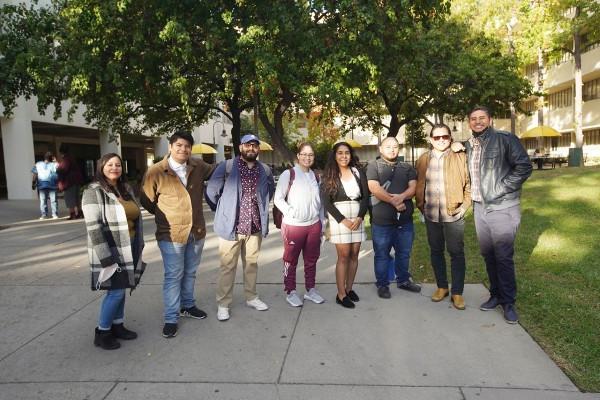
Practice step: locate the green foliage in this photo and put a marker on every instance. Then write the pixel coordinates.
(407, 63)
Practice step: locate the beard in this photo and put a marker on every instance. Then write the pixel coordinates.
(249, 156)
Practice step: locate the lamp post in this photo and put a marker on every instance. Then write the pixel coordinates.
(220, 156)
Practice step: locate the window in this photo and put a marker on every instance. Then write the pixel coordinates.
(529, 105)
(531, 70)
(591, 90)
(561, 99)
(591, 137)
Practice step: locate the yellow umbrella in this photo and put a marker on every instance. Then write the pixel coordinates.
(351, 142)
(539, 131)
(202, 148)
(264, 146)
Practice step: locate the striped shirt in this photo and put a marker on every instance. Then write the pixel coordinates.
(435, 190)
(474, 164)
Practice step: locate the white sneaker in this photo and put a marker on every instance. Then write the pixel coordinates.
(293, 299)
(222, 313)
(55, 217)
(43, 217)
(257, 304)
(314, 296)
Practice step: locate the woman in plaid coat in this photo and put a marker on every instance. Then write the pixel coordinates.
(115, 242)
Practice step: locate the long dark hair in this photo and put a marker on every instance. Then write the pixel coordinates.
(122, 189)
(331, 173)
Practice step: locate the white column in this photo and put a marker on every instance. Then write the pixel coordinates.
(161, 146)
(19, 157)
(108, 144)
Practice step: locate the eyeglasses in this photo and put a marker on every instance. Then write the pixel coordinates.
(443, 137)
(253, 145)
(306, 155)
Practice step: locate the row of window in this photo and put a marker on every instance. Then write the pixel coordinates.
(564, 98)
(590, 137)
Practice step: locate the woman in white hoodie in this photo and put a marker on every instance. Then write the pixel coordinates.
(297, 197)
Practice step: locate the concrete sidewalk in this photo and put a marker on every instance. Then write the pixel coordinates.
(403, 348)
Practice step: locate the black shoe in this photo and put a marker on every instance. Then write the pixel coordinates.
(345, 302)
(120, 332)
(384, 292)
(169, 330)
(106, 340)
(193, 312)
(410, 286)
(490, 305)
(353, 296)
(510, 314)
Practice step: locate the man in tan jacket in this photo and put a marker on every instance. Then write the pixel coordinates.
(444, 195)
(173, 190)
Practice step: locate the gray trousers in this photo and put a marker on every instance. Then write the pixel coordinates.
(496, 232)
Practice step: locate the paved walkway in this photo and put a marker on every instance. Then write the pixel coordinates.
(403, 348)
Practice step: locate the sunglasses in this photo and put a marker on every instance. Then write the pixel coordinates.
(443, 137)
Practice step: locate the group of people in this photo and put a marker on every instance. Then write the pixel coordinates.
(487, 171)
(50, 177)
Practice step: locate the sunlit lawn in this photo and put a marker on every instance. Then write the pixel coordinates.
(558, 267)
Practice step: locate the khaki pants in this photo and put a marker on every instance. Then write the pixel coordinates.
(229, 250)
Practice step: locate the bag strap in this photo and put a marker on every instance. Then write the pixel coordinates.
(292, 177)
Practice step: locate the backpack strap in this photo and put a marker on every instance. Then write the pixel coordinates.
(292, 177)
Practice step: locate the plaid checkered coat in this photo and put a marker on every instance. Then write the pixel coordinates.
(108, 239)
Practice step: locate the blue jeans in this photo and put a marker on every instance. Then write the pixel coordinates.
(180, 261)
(44, 195)
(112, 309)
(398, 237)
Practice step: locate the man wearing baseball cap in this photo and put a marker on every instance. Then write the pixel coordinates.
(240, 191)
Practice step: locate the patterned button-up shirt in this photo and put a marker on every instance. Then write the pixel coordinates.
(474, 165)
(249, 216)
(435, 190)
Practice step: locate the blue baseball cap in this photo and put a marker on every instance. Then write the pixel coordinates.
(249, 138)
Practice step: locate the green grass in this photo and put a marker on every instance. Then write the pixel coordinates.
(558, 267)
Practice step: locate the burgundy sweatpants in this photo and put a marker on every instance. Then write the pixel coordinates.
(296, 239)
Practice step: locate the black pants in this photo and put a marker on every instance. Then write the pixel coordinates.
(451, 236)
(496, 232)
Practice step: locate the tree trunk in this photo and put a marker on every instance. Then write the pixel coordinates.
(276, 131)
(394, 125)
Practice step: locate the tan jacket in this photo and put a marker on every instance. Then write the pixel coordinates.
(456, 180)
(177, 209)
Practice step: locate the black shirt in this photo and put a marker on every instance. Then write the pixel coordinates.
(398, 175)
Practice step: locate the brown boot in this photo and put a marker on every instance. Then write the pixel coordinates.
(439, 294)
(458, 301)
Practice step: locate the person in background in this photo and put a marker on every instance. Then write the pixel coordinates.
(345, 196)
(44, 176)
(444, 196)
(302, 226)
(115, 242)
(70, 179)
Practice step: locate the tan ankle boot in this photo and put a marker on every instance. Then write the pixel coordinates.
(439, 294)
